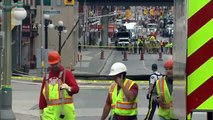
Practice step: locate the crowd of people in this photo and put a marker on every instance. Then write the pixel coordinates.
(149, 45)
(59, 85)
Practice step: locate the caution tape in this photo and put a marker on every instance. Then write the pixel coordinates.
(30, 78)
(35, 78)
(109, 46)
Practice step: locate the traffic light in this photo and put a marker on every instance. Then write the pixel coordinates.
(69, 2)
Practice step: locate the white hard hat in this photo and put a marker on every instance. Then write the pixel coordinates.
(117, 68)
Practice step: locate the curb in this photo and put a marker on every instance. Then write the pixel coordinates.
(102, 67)
(86, 81)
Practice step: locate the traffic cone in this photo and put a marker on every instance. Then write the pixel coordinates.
(102, 55)
(110, 46)
(160, 56)
(142, 56)
(125, 56)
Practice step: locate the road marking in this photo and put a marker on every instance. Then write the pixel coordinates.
(144, 66)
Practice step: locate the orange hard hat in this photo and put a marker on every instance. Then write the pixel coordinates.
(53, 57)
(168, 63)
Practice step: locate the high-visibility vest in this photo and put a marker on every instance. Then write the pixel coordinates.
(120, 104)
(152, 38)
(58, 101)
(165, 110)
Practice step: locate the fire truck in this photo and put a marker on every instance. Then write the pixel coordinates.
(193, 24)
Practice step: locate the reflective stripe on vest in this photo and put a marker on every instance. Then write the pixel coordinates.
(165, 108)
(112, 86)
(58, 102)
(161, 84)
(121, 104)
(60, 99)
(126, 106)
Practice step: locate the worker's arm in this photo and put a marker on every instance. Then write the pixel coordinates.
(150, 88)
(70, 84)
(156, 96)
(42, 101)
(152, 80)
(149, 91)
(107, 108)
(105, 112)
(130, 94)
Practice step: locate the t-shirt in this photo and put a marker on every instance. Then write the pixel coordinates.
(155, 76)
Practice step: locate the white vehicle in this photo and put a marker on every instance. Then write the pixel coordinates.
(123, 39)
(119, 21)
(132, 28)
(169, 30)
(152, 28)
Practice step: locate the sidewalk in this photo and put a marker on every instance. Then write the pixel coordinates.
(91, 63)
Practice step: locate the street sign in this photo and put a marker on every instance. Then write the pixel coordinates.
(52, 12)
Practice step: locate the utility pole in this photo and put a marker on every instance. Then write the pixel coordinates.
(6, 89)
(43, 60)
(85, 23)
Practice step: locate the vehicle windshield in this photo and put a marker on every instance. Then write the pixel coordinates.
(169, 26)
(123, 40)
(123, 34)
(152, 26)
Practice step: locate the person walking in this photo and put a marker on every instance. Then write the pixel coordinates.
(140, 45)
(163, 93)
(152, 104)
(79, 47)
(122, 96)
(58, 87)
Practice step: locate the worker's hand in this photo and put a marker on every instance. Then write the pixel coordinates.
(119, 81)
(160, 99)
(40, 114)
(65, 86)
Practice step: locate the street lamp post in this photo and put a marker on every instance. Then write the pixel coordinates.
(47, 22)
(60, 28)
(85, 23)
(6, 89)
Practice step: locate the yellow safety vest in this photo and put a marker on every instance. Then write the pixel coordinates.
(120, 105)
(165, 110)
(59, 102)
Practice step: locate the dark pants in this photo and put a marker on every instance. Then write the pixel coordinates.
(151, 109)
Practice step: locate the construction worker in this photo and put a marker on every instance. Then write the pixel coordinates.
(58, 87)
(163, 93)
(122, 95)
(140, 44)
(152, 104)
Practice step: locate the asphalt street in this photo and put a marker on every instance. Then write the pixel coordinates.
(92, 64)
(88, 102)
(91, 98)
